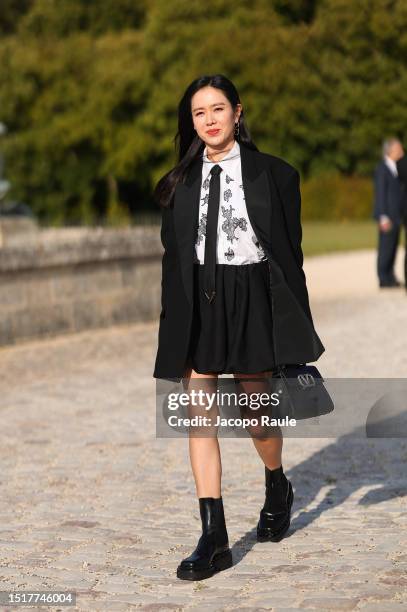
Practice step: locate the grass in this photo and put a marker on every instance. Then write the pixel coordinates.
(327, 236)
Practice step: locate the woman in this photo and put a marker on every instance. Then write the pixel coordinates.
(234, 295)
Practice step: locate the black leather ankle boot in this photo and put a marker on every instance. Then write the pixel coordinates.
(275, 515)
(212, 553)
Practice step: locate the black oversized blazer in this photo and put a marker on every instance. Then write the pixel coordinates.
(273, 201)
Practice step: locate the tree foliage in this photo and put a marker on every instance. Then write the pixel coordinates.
(89, 91)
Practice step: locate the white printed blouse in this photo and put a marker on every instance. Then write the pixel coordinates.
(237, 243)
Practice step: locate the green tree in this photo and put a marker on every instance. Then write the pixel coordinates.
(89, 93)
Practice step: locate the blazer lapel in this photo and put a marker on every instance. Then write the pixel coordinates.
(257, 194)
(186, 210)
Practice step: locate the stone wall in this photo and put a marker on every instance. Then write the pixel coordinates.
(68, 280)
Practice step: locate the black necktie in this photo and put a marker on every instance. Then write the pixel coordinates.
(211, 233)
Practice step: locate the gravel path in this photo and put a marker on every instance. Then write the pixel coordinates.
(93, 501)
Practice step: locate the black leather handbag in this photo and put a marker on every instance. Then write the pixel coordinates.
(301, 390)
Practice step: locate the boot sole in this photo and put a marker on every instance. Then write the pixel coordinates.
(276, 537)
(220, 562)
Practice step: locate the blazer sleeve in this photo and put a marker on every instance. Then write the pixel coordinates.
(169, 257)
(380, 180)
(291, 197)
(164, 234)
(164, 227)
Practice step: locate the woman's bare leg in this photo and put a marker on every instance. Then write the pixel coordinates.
(204, 451)
(269, 448)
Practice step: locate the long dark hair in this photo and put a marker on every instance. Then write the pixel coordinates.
(188, 145)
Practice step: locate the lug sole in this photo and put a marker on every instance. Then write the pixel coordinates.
(220, 562)
(264, 535)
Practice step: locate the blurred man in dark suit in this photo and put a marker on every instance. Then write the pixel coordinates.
(388, 210)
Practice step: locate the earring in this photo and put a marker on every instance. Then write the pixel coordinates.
(237, 129)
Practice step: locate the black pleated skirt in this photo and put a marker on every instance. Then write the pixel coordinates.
(234, 333)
